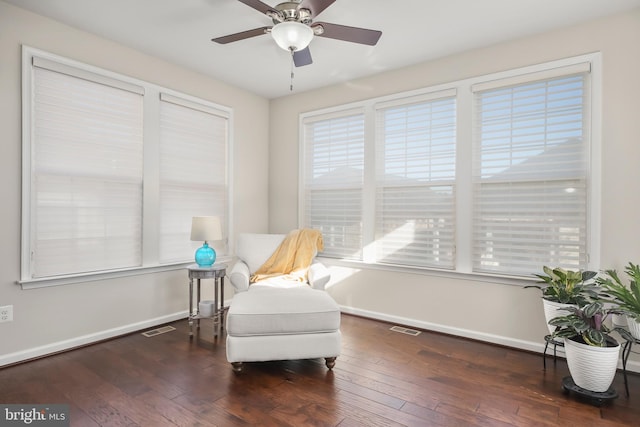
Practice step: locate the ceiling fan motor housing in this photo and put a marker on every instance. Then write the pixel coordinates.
(289, 11)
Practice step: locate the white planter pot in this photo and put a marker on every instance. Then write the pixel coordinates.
(592, 368)
(634, 327)
(554, 309)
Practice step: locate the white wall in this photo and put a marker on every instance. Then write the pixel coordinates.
(58, 317)
(492, 311)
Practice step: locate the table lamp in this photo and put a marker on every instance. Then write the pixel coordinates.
(207, 229)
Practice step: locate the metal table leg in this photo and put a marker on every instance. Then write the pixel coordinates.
(190, 307)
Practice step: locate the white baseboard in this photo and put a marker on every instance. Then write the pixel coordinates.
(537, 347)
(19, 356)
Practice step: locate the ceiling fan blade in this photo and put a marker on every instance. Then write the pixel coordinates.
(241, 36)
(350, 34)
(316, 6)
(257, 5)
(302, 57)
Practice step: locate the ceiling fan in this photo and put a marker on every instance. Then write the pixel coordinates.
(293, 28)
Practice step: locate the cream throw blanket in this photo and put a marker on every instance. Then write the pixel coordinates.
(293, 257)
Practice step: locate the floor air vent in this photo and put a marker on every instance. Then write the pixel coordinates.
(407, 331)
(158, 331)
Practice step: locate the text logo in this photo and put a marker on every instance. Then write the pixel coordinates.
(34, 415)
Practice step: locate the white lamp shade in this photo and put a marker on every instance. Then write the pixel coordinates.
(206, 228)
(291, 35)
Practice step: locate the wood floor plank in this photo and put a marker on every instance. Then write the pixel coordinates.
(100, 411)
(382, 379)
(173, 412)
(467, 415)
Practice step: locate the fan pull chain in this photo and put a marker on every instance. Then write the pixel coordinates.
(292, 65)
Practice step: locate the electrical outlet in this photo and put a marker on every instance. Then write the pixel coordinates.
(6, 313)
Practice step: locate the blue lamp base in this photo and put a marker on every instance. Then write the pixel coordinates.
(205, 256)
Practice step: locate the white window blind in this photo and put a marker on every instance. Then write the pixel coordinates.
(193, 173)
(86, 175)
(530, 169)
(333, 181)
(415, 183)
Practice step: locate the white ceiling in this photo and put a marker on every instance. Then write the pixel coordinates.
(413, 31)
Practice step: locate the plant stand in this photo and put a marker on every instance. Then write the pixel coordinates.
(592, 397)
(626, 351)
(555, 343)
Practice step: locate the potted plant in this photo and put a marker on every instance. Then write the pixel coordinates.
(564, 288)
(592, 354)
(626, 299)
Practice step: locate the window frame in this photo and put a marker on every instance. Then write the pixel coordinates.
(151, 179)
(464, 161)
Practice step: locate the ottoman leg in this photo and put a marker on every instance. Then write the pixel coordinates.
(330, 362)
(237, 367)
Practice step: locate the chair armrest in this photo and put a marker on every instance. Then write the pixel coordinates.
(318, 275)
(239, 276)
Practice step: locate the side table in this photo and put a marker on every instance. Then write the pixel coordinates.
(217, 273)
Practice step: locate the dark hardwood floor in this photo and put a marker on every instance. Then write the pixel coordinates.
(382, 378)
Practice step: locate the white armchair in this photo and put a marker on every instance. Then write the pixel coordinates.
(253, 250)
(279, 318)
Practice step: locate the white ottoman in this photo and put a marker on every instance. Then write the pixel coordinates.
(282, 324)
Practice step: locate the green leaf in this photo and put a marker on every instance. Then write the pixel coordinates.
(564, 333)
(594, 338)
(580, 325)
(591, 309)
(614, 276)
(635, 291)
(561, 321)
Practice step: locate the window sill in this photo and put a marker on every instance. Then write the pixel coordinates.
(449, 274)
(104, 275)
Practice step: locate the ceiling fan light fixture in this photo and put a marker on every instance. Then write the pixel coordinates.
(292, 35)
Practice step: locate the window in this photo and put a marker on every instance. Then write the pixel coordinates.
(86, 175)
(193, 171)
(415, 182)
(491, 175)
(333, 181)
(112, 172)
(531, 144)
